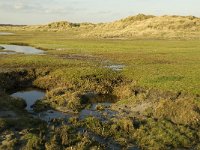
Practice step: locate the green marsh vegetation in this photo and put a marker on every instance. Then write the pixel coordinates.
(156, 93)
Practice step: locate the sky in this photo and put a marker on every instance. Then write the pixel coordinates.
(45, 11)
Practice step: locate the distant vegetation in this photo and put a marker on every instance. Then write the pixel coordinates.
(140, 26)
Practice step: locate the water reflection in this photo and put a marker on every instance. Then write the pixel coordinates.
(30, 96)
(10, 49)
(6, 33)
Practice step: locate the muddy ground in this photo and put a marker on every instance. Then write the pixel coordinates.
(143, 118)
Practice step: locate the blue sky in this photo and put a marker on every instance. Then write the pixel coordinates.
(44, 11)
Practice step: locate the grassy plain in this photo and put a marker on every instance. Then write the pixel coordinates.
(162, 64)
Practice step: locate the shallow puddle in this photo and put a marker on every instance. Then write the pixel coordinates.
(13, 49)
(52, 114)
(116, 67)
(6, 33)
(103, 115)
(30, 95)
(98, 108)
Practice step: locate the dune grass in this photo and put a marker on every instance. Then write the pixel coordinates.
(139, 26)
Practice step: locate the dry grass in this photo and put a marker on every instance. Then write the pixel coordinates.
(181, 111)
(140, 26)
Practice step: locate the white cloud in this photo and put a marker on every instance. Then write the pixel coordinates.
(28, 6)
(19, 6)
(40, 11)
